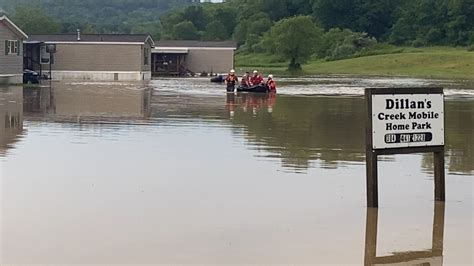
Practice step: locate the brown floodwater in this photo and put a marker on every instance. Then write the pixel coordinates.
(178, 172)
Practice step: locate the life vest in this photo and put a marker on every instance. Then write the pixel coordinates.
(245, 82)
(256, 80)
(231, 79)
(271, 85)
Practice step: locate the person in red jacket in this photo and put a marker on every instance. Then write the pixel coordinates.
(271, 84)
(256, 79)
(245, 81)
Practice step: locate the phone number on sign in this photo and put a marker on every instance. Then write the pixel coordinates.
(408, 138)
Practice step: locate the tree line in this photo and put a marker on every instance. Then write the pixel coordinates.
(421, 22)
(329, 29)
(92, 16)
(293, 29)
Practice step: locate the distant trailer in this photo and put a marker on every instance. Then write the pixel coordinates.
(94, 57)
(179, 58)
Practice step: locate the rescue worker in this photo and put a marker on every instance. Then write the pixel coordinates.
(256, 79)
(231, 80)
(245, 81)
(271, 84)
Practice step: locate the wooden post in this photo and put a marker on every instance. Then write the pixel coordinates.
(371, 228)
(370, 157)
(372, 179)
(439, 175)
(438, 228)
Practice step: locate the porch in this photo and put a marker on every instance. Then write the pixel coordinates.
(169, 62)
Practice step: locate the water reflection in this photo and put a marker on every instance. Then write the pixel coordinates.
(330, 130)
(87, 104)
(459, 124)
(253, 102)
(460, 136)
(11, 117)
(38, 101)
(299, 132)
(302, 130)
(434, 256)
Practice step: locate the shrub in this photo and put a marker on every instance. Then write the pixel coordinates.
(346, 44)
(343, 51)
(418, 43)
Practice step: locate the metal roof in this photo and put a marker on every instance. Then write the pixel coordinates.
(169, 50)
(12, 26)
(128, 38)
(196, 44)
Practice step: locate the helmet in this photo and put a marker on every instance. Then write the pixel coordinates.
(232, 71)
(255, 72)
(270, 76)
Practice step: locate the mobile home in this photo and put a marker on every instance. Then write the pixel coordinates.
(95, 57)
(11, 51)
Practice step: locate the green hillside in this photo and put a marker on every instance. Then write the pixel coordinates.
(435, 62)
(97, 16)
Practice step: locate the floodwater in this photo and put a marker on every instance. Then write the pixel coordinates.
(178, 172)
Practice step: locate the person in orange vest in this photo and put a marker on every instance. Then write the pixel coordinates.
(271, 84)
(256, 79)
(231, 80)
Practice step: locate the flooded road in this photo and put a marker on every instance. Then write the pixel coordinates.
(178, 172)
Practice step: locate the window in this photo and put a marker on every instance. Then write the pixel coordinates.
(45, 56)
(11, 47)
(146, 52)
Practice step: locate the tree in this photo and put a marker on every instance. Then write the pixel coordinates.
(295, 39)
(335, 13)
(372, 16)
(152, 28)
(35, 21)
(197, 16)
(276, 10)
(215, 31)
(241, 32)
(185, 31)
(227, 16)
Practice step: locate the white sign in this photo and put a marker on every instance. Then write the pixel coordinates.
(407, 120)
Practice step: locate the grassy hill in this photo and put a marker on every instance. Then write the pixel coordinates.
(432, 62)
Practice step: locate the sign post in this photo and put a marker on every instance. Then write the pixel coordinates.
(402, 121)
(51, 49)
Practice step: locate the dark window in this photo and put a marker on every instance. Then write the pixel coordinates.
(146, 56)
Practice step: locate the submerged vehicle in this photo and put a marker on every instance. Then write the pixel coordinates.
(30, 77)
(218, 79)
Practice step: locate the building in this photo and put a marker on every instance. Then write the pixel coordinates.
(104, 57)
(181, 57)
(11, 51)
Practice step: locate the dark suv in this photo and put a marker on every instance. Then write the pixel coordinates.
(30, 77)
